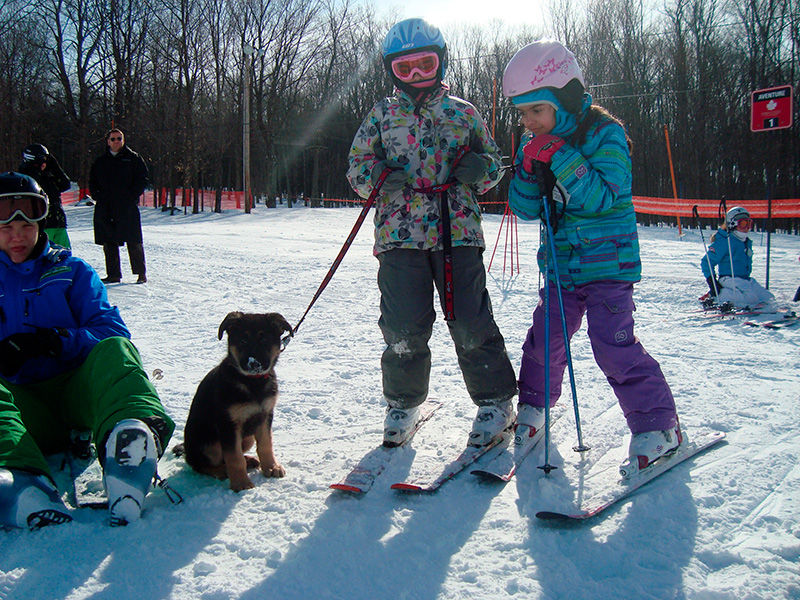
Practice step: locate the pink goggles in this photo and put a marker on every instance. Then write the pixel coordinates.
(424, 64)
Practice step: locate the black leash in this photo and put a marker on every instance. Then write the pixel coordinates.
(446, 233)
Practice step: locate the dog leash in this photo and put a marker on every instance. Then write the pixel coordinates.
(337, 261)
(442, 189)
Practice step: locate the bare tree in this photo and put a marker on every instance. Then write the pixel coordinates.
(75, 29)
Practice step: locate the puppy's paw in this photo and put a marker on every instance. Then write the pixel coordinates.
(241, 484)
(276, 471)
(252, 462)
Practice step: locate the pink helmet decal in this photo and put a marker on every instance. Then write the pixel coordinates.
(545, 63)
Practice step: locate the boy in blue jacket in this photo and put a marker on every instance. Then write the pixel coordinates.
(66, 362)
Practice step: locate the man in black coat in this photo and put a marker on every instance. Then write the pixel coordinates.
(117, 180)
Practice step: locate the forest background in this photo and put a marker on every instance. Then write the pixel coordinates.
(172, 75)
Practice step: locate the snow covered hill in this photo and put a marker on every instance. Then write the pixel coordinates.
(722, 526)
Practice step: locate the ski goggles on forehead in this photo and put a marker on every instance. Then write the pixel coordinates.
(29, 207)
(424, 64)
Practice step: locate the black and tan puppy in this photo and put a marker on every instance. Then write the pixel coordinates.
(234, 404)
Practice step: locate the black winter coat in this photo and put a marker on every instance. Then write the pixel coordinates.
(53, 181)
(115, 183)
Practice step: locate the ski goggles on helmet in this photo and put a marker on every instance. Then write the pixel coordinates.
(425, 64)
(30, 207)
(745, 222)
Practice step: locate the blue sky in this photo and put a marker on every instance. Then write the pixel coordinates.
(444, 12)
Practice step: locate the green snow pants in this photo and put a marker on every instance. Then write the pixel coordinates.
(111, 385)
(59, 236)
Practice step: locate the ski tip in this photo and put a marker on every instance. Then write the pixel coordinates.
(547, 515)
(407, 487)
(343, 487)
(488, 475)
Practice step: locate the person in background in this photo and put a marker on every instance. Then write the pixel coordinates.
(414, 137)
(66, 363)
(731, 253)
(116, 181)
(37, 162)
(578, 155)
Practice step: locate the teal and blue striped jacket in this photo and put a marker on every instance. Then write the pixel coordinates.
(596, 238)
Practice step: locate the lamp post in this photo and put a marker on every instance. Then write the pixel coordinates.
(248, 50)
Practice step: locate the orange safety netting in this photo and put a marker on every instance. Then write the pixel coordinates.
(781, 208)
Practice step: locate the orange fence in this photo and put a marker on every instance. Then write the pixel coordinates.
(781, 209)
(230, 200)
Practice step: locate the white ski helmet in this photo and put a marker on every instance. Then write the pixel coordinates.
(733, 216)
(545, 63)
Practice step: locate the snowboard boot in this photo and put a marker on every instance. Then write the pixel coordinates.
(29, 500)
(490, 422)
(130, 465)
(647, 447)
(399, 425)
(530, 419)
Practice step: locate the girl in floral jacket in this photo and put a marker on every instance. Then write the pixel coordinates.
(425, 137)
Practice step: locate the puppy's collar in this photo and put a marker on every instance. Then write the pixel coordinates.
(266, 375)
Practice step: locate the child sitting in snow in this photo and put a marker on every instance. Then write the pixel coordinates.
(731, 252)
(66, 362)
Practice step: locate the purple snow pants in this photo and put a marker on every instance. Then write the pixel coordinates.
(635, 376)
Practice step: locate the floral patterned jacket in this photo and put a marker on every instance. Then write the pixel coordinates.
(425, 142)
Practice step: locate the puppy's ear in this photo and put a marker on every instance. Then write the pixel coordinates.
(281, 323)
(229, 320)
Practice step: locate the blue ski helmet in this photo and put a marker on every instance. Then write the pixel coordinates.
(414, 35)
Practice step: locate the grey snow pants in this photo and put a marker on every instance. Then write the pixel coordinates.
(406, 280)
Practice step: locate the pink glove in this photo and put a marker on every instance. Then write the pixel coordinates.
(540, 148)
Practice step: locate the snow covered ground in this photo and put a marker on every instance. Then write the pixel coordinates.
(722, 526)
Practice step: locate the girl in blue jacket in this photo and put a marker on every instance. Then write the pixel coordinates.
(731, 254)
(66, 363)
(583, 152)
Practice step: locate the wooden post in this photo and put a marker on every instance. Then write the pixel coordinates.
(672, 174)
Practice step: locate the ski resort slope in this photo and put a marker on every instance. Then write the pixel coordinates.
(721, 526)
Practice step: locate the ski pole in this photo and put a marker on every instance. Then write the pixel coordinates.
(733, 274)
(581, 447)
(696, 215)
(552, 261)
(337, 261)
(546, 467)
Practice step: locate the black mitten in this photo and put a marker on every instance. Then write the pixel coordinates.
(470, 169)
(19, 347)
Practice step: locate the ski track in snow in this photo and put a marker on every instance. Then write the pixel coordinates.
(721, 526)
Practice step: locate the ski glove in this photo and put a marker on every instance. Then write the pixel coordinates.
(713, 285)
(540, 148)
(470, 169)
(394, 181)
(17, 348)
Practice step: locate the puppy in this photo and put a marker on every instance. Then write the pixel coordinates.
(234, 404)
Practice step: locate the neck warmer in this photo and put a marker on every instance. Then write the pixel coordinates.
(566, 122)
